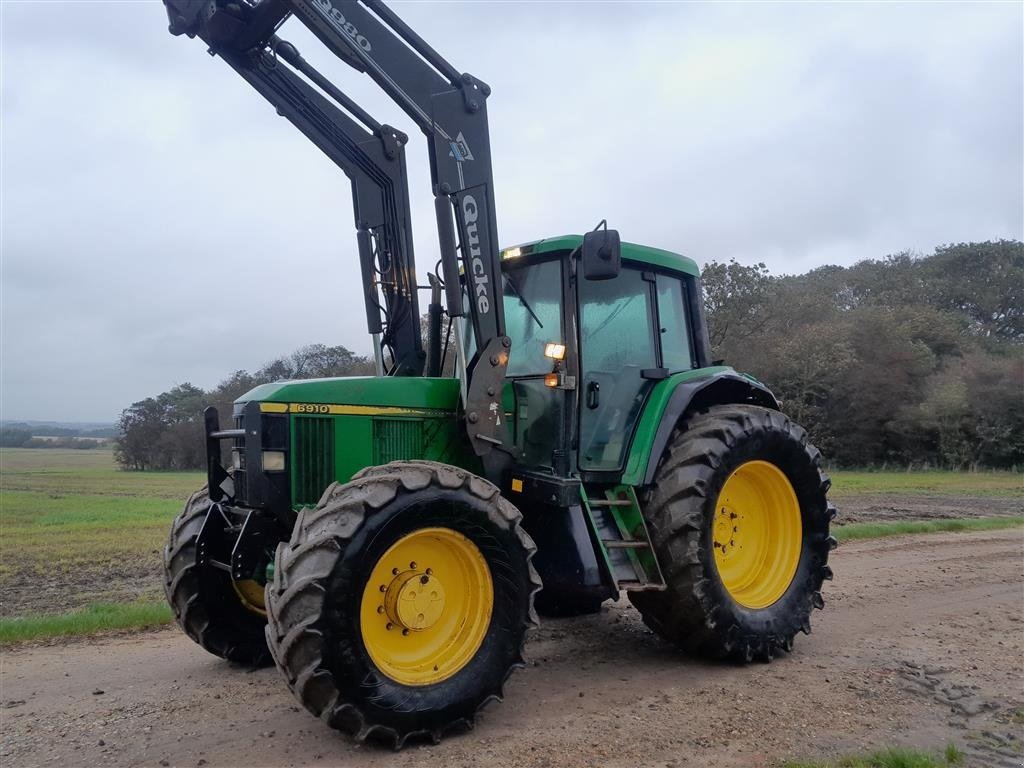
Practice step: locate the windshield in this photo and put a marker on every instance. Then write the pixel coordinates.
(533, 315)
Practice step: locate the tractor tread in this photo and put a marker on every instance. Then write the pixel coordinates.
(692, 612)
(304, 569)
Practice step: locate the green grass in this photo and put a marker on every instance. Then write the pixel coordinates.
(71, 472)
(70, 519)
(98, 617)
(905, 527)
(53, 501)
(846, 483)
(889, 758)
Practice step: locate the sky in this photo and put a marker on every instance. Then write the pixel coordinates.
(160, 224)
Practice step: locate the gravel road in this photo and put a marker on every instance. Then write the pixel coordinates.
(921, 643)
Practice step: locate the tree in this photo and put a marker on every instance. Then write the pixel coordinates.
(904, 359)
(14, 437)
(985, 282)
(142, 425)
(736, 301)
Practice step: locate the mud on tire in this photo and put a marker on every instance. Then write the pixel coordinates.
(314, 600)
(696, 612)
(203, 599)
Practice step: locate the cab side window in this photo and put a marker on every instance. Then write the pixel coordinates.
(676, 338)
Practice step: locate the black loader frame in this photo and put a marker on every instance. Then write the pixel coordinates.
(450, 108)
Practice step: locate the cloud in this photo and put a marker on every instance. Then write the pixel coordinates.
(161, 224)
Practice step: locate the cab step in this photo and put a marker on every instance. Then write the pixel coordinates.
(619, 544)
(618, 525)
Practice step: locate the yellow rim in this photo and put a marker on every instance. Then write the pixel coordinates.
(426, 606)
(251, 593)
(757, 534)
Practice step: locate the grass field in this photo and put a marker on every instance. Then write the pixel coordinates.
(75, 530)
(80, 540)
(847, 484)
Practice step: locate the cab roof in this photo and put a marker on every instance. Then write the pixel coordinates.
(644, 254)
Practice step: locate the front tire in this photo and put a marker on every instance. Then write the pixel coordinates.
(739, 519)
(401, 604)
(216, 612)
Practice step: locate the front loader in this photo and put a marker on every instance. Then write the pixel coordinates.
(385, 540)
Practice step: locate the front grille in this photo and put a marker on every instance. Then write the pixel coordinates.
(312, 457)
(397, 440)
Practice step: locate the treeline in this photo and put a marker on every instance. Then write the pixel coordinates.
(907, 360)
(166, 431)
(23, 437)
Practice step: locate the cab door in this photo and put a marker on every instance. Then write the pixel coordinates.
(618, 348)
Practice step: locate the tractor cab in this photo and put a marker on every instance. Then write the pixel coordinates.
(587, 346)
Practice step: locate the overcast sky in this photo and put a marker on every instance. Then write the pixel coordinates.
(160, 224)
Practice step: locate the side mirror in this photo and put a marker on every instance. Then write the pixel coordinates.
(601, 254)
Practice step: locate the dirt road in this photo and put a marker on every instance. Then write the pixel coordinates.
(921, 643)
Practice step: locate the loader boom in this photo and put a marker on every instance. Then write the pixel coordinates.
(450, 109)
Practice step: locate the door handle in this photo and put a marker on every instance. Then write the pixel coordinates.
(593, 394)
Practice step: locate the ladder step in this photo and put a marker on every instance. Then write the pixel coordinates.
(640, 586)
(610, 502)
(620, 544)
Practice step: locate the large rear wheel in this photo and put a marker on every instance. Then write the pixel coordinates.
(740, 521)
(401, 603)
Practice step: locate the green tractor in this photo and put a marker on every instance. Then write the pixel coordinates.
(385, 540)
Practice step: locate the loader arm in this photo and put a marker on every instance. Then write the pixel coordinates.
(450, 109)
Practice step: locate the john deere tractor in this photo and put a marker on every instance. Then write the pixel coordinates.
(384, 540)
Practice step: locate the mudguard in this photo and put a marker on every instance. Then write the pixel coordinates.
(718, 389)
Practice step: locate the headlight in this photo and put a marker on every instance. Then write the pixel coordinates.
(273, 461)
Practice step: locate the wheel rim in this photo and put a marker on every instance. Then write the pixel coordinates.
(426, 606)
(251, 594)
(757, 534)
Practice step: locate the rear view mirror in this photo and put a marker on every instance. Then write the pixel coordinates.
(601, 254)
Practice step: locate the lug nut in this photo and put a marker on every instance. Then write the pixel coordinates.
(389, 626)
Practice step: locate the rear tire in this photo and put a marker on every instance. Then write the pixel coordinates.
(326, 619)
(700, 611)
(204, 600)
